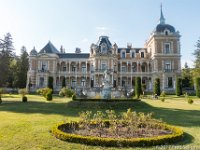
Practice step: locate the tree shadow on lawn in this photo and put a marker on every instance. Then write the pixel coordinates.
(179, 117)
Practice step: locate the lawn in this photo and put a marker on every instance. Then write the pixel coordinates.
(27, 125)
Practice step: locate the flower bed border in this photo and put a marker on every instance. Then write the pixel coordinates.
(176, 136)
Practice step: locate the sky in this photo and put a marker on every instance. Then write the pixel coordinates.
(79, 23)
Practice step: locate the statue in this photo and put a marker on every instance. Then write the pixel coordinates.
(106, 80)
(106, 91)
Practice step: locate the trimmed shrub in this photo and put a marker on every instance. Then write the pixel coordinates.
(49, 96)
(197, 82)
(74, 97)
(24, 99)
(50, 83)
(175, 136)
(178, 86)
(66, 92)
(190, 101)
(157, 86)
(23, 92)
(46, 93)
(1, 93)
(162, 99)
(138, 87)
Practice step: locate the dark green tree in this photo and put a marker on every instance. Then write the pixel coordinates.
(157, 86)
(23, 65)
(197, 82)
(50, 83)
(178, 86)
(63, 82)
(138, 87)
(187, 81)
(197, 54)
(6, 56)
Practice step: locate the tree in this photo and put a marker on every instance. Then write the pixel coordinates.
(63, 82)
(157, 86)
(197, 82)
(197, 54)
(6, 56)
(138, 87)
(187, 81)
(178, 86)
(23, 65)
(50, 83)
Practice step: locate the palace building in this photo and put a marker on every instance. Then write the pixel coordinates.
(159, 58)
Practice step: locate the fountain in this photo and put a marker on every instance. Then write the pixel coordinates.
(105, 91)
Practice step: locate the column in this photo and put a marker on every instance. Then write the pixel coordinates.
(163, 81)
(131, 75)
(69, 66)
(86, 74)
(120, 73)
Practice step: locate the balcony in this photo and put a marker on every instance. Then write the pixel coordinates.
(169, 70)
(102, 70)
(43, 71)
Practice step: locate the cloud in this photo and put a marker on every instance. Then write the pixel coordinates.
(84, 40)
(101, 30)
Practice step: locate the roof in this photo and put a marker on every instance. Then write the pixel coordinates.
(33, 52)
(162, 27)
(104, 39)
(74, 55)
(49, 48)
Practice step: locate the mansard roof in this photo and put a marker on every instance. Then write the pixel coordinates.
(104, 39)
(73, 55)
(49, 48)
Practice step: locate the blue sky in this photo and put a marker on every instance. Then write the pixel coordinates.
(78, 23)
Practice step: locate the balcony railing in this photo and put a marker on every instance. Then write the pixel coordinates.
(168, 70)
(101, 70)
(43, 71)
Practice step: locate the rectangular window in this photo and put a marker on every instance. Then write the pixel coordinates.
(167, 67)
(41, 81)
(142, 54)
(64, 68)
(73, 83)
(170, 82)
(82, 82)
(167, 48)
(44, 65)
(123, 54)
(133, 55)
(103, 66)
(123, 68)
(83, 69)
(134, 69)
(73, 68)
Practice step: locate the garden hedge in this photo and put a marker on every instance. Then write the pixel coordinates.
(177, 135)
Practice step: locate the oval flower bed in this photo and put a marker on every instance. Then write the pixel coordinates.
(128, 129)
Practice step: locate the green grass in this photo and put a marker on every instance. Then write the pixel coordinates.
(27, 125)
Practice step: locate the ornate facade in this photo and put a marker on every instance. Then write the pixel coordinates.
(159, 58)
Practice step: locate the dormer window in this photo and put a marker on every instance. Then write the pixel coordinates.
(142, 54)
(44, 66)
(104, 48)
(133, 55)
(167, 48)
(123, 54)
